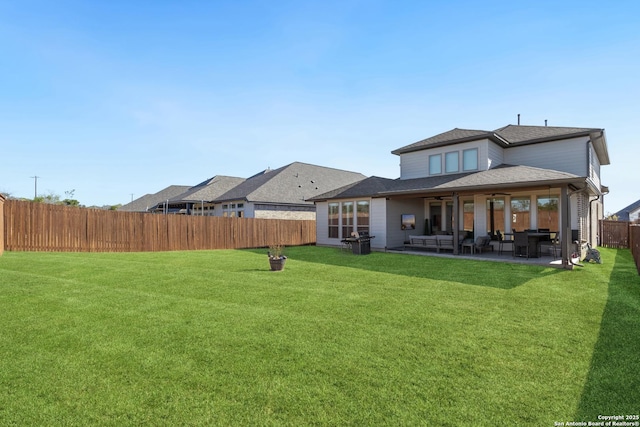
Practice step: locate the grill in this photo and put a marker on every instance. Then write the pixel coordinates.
(360, 243)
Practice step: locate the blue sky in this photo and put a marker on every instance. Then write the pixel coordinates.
(120, 98)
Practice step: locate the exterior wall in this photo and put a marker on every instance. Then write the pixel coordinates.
(480, 211)
(582, 208)
(594, 167)
(322, 225)
(281, 211)
(395, 208)
(249, 210)
(378, 222)
(283, 214)
(495, 155)
(256, 210)
(585, 215)
(597, 213)
(385, 218)
(480, 216)
(377, 215)
(634, 215)
(566, 155)
(416, 164)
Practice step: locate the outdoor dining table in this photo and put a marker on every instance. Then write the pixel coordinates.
(534, 239)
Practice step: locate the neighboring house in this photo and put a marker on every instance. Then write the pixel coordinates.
(282, 193)
(477, 182)
(630, 213)
(197, 200)
(148, 202)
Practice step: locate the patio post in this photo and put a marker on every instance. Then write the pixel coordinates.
(565, 227)
(456, 221)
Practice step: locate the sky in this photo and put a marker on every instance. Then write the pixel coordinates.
(111, 100)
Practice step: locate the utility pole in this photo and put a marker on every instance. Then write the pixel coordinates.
(132, 197)
(35, 192)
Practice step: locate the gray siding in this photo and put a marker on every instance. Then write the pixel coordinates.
(495, 155)
(594, 167)
(322, 225)
(395, 208)
(378, 222)
(416, 164)
(567, 155)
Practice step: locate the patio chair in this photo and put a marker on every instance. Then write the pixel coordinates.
(555, 248)
(483, 243)
(504, 240)
(520, 244)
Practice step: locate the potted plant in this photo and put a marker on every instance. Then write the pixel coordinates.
(276, 258)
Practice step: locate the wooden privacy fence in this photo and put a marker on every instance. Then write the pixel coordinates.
(32, 226)
(2, 199)
(635, 245)
(614, 234)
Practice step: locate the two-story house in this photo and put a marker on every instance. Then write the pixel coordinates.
(478, 182)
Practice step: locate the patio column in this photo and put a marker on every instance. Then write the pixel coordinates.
(565, 227)
(456, 221)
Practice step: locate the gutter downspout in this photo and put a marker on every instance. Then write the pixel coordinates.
(591, 221)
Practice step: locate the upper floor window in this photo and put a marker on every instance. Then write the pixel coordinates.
(470, 159)
(435, 164)
(451, 162)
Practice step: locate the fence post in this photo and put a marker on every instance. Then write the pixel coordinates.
(2, 199)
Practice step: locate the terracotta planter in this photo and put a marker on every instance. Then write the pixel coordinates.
(277, 264)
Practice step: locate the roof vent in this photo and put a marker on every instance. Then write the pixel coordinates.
(518, 119)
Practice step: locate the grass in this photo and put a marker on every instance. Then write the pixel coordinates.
(215, 338)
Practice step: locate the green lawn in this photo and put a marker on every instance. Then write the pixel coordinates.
(215, 338)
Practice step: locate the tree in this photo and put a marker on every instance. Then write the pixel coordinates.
(51, 198)
(54, 199)
(69, 200)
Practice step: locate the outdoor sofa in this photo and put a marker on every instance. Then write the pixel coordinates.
(437, 242)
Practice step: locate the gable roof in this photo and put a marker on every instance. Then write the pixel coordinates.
(454, 136)
(295, 183)
(146, 202)
(623, 214)
(513, 135)
(499, 178)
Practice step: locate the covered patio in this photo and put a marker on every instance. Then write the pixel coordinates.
(505, 200)
(500, 201)
(545, 260)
